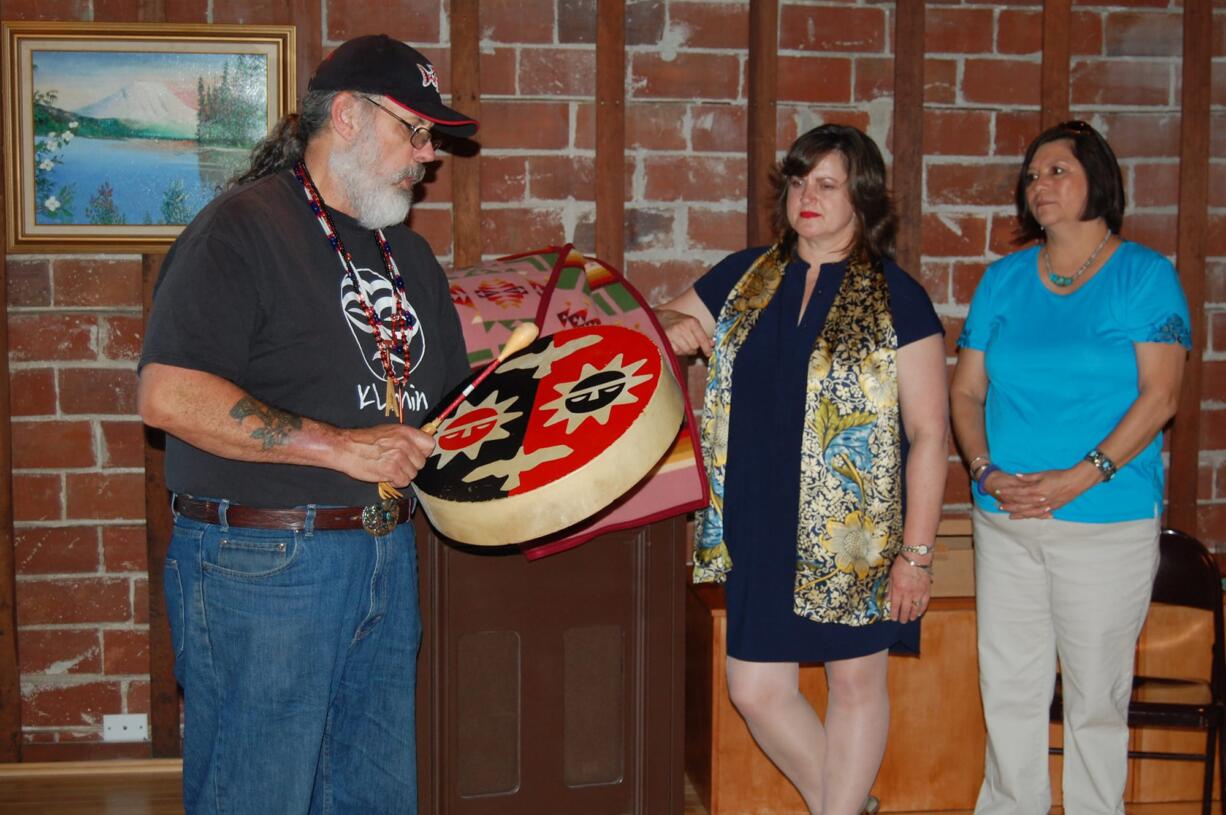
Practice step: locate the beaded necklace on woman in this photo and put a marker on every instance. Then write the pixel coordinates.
(1063, 281)
(397, 334)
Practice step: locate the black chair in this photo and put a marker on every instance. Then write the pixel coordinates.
(1187, 576)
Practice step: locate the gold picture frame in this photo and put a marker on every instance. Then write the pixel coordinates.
(116, 134)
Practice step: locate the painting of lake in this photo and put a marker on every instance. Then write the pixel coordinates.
(149, 138)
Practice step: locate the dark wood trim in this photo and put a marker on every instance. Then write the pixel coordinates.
(611, 131)
(85, 751)
(763, 68)
(466, 169)
(163, 689)
(1190, 254)
(10, 671)
(908, 143)
(1055, 81)
(308, 17)
(151, 11)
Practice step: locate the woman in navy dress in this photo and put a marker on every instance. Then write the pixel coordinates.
(825, 433)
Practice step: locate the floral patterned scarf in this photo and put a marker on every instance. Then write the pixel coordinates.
(850, 518)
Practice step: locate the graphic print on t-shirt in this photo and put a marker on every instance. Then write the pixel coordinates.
(380, 293)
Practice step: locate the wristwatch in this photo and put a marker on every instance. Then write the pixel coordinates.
(922, 549)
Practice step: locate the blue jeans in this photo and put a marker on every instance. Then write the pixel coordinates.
(297, 654)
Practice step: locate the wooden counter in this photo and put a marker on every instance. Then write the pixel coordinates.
(934, 759)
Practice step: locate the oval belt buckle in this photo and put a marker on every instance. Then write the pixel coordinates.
(380, 519)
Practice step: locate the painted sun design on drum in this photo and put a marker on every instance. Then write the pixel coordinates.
(595, 393)
(474, 425)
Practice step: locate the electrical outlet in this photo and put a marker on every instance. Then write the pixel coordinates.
(125, 727)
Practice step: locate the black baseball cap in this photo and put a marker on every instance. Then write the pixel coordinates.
(381, 65)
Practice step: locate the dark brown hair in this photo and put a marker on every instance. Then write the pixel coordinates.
(876, 222)
(1105, 184)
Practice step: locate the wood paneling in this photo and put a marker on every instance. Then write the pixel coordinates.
(611, 131)
(908, 142)
(466, 168)
(763, 68)
(1193, 214)
(1053, 92)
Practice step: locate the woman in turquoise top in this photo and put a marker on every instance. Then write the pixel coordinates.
(1068, 368)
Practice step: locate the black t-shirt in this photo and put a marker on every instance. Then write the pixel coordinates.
(253, 292)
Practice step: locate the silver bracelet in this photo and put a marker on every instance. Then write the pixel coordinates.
(926, 567)
(1106, 467)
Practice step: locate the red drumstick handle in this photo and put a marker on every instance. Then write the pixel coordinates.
(520, 338)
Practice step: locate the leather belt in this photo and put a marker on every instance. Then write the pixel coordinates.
(260, 518)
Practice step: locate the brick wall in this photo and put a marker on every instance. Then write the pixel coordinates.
(74, 321)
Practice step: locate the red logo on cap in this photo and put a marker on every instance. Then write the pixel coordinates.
(428, 76)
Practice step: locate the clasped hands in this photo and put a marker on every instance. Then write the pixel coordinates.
(1037, 495)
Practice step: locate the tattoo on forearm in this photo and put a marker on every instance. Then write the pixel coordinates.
(276, 425)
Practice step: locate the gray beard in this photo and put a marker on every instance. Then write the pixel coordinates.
(377, 201)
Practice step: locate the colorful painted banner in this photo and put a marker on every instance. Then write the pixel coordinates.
(559, 288)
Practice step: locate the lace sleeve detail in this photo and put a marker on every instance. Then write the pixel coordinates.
(1174, 331)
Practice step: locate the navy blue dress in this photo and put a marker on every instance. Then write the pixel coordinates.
(762, 478)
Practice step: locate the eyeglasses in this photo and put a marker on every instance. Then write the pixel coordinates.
(419, 136)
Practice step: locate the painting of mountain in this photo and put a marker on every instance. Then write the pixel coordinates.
(148, 109)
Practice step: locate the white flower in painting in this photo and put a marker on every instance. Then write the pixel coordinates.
(46, 164)
(52, 204)
(72, 125)
(66, 136)
(51, 144)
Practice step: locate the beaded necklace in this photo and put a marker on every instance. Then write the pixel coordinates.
(1063, 281)
(397, 334)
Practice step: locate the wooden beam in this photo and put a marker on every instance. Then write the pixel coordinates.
(1190, 255)
(611, 131)
(909, 130)
(763, 68)
(466, 169)
(1055, 77)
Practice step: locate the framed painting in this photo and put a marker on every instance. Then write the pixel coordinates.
(116, 135)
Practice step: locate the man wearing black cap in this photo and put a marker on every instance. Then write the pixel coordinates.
(299, 333)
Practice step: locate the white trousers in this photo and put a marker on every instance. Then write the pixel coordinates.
(1080, 591)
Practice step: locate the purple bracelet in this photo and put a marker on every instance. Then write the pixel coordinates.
(983, 477)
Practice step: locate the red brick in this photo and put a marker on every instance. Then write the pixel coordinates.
(585, 125)
(47, 9)
(1217, 79)
(958, 30)
(123, 444)
(1086, 34)
(436, 186)
(1136, 135)
(125, 652)
(105, 495)
(1157, 185)
(516, 125)
(28, 283)
(53, 445)
(971, 184)
(940, 81)
(1217, 330)
(121, 337)
(1211, 526)
(1204, 482)
(686, 76)
(687, 178)
(190, 11)
(1212, 433)
(517, 21)
(37, 497)
(56, 550)
(934, 277)
(1120, 82)
(124, 549)
(52, 337)
(557, 72)
(966, 277)
(1217, 238)
(1019, 32)
(68, 705)
(59, 651)
(140, 601)
(644, 22)
(503, 178)
(95, 282)
(561, 177)
(1014, 132)
(82, 600)
(826, 28)
(434, 225)
(957, 132)
(32, 392)
(577, 21)
(814, 79)
(1144, 34)
(412, 20)
(1157, 231)
(1007, 82)
(660, 125)
(497, 76)
(245, 12)
(1213, 380)
(1001, 234)
(1215, 281)
(953, 329)
(874, 78)
(711, 25)
(716, 229)
(98, 390)
(648, 229)
(660, 281)
(136, 699)
(504, 231)
(953, 235)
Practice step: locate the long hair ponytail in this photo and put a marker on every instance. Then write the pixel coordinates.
(286, 144)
